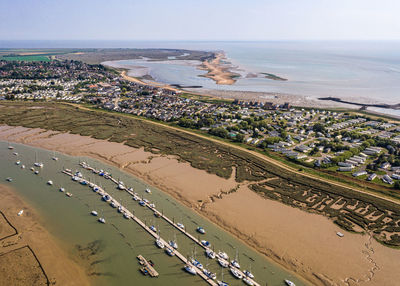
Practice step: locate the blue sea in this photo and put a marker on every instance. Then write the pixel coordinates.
(359, 70)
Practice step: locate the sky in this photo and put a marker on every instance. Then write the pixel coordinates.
(238, 20)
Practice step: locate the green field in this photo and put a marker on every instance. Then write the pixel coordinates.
(27, 58)
(351, 210)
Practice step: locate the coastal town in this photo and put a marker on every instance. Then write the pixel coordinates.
(355, 145)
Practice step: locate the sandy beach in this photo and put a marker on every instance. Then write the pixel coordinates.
(29, 255)
(302, 242)
(218, 71)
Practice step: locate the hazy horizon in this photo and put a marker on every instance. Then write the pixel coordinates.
(207, 20)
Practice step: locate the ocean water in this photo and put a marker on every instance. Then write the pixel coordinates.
(360, 71)
(119, 241)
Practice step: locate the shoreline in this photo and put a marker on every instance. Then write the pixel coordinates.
(218, 71)
(32, 237)
(284, 239)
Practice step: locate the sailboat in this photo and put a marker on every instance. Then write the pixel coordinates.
(236, 273)
(101, 219)
(159, 243)
(235, 262)
(54, 156)
(37, 163)
(222, 283)
(248, 273)
(210, 253)
(10, 147)
(173, 243)
(289, 283)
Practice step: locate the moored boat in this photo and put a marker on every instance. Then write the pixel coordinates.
(236, 273)
(160, 244)
(223, 262)
(205, 243)
(201, 230)
(62, 190)
(289, 283)
(223, 255)
(190, 269)
(102, 220)
(210, 253)
(50, 182)
(94, 213)
(248, 281)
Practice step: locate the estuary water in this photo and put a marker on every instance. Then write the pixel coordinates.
(361, 71)
(117, 243)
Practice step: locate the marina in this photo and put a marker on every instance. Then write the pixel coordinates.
(127, 209)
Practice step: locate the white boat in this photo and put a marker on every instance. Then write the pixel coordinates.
(235, 263)
(223, 262)
(236, 273)
(9, 179)
(50, 182)
(223, 255)
(126, 215)
(36, 172)
(248, 274)
(152, 205)
(62, 190)
(18, 162)
(10, 147)
(54, 157)
(248, 281)
(22, 166)
(201, 230)
(120, 209)
(205, 243)
(209, 274)
(68, 194)
(148, 191)
(94, 213)
(113, 204)
(190, 269)
(180, 225)
(102, 220)
(289, 283)
(160, 244)
(121, 187)
(210, 253)
(32, 169)
(75, 178)
(20, 212)
(38, 164)
(15, 153)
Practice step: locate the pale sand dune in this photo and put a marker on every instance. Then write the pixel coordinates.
(303, 242)
(60, 269)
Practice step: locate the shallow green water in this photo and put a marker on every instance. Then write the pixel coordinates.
(117, 243)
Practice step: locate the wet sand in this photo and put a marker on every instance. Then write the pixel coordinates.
(303, 242)
(29, 255)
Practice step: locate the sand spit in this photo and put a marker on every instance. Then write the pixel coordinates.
(218, 70)
(29, 255)
(303, 242)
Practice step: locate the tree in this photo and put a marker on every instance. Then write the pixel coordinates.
(239, 138)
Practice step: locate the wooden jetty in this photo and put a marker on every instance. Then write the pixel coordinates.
(147, 266)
